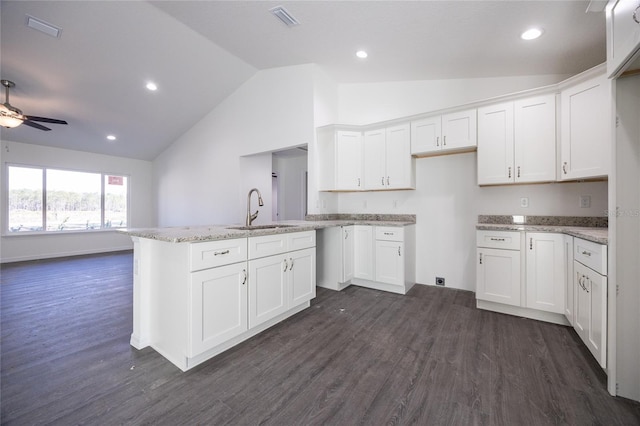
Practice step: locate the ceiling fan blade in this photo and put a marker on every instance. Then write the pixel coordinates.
(35, 125)
(45, 119)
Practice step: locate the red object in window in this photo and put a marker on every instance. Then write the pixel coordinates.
(115, 180)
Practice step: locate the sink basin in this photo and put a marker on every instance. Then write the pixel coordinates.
(255, 227)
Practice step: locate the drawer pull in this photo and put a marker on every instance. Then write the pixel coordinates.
(444, 140)
(388, 233)
(291, 264)
(518, 171)
(285, 265)
(509, 171)
(437, 140)
(497, 239)
(399, 251)
(481, 258)
(564, 167)
(220, 253)
(530, 243)
(244, 279)
(382, 180)
(586, 253)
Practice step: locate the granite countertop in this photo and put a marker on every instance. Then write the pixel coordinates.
(183, 234)
(589, 228)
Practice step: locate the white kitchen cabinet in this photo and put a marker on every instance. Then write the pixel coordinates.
(623, 36)
(498, 276)
(363, 261)
(336, 263)
(389, 262)
(569, 294)
(280, 281)
(454, 132)
(517, 141)
(590, 281)
(340, 159)
(387, 158)
(545, 271)
(585, 129)
(218, 306)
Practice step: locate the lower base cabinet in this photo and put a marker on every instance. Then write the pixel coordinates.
(498, 276)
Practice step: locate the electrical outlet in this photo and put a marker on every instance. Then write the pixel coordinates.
(524, 202)
(440, 281)
(585, 201)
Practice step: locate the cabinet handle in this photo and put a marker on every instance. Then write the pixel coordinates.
(437, 140)
(497, 239)
(285, 265)
(481, 258)
(346, 234)
(509, 171)
(585, 287)
(358, 182)
(291, 264)
(586, 253)
(635, 15)
(518, 171)
(382, 180)
(387, 180)
(220, 253)
(244, 276)
(564, 167)
(444, 140)
(399, 251)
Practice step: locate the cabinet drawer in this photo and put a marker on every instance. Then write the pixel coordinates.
(217, 253)
(301, 240)
(267, 245)
(509, 240)
(591, 254)
(389, 233)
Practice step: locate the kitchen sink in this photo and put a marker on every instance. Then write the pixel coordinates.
(255, 227)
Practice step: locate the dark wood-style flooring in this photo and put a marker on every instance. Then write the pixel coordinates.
(358, 356)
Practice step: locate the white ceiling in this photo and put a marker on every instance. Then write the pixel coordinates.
(199, 52)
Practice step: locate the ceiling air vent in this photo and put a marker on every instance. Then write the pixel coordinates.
(43, 27)
(282, 14)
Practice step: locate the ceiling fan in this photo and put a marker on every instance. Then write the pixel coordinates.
(12, 117)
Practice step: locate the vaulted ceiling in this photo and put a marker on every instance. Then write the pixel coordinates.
(198, 52)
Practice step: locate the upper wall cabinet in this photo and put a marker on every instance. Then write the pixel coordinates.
(376, 160)
(455, 132)
(623, 36)
(387, 158)
(517, 141)
(585, 136)
(340, 158)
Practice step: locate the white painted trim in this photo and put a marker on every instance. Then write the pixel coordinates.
(523, 312)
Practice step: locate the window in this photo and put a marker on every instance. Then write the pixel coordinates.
(53, 200)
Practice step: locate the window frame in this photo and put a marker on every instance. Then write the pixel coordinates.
(6, 232)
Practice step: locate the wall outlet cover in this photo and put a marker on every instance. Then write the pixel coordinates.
(524, 202)
(585, 201)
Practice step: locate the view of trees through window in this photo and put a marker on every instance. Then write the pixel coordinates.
(72, 200)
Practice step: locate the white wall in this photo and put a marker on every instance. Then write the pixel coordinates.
(200, 178)
(29, 247)
(447, 199)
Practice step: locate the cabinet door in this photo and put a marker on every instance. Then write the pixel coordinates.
(348, 160)
(268, 292)
(347, 253)
(363, 252)
(398, 154)
(218, 306)
(581, 302)
(570, 288)
(585, 130)
(374, 149)
(597, 329)
(390, 262)
(623, 35)
(426, 135)
(495, 144)
(302, 276)
(498, 276)
(535, 139)
(545, 272)
(459, 130)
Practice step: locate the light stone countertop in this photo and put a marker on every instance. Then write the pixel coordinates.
(594, 234)
(188, 234)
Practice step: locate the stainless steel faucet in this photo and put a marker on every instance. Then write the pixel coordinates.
(252, 217)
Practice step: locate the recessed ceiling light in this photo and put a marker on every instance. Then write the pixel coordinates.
(111, 137)
(531, 34)
(152, 86)
(361, 54)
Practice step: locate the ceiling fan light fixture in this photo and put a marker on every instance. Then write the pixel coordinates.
(10, 118)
